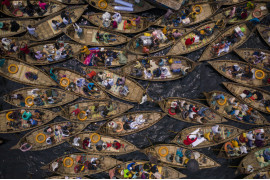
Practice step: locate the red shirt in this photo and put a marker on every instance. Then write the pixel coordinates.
(6, 2)
(188, 141)
(25, 49)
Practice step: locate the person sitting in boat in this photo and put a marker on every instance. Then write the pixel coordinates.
(106, 19)
(56, 24)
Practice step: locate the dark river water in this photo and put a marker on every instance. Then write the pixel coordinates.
(17, 164)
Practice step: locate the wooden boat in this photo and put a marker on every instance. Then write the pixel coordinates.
(168, 154)
(66, 177)
(177, 108)
(241, 72)
(76, 83)
(94, 143)
(25, 73)
(205, 11)
(89, 36)
(108, 6)
(164, 172)
(120, 86)
(217, 49)
(166, 68)
(97, 20)
(205, 135)
(44, 29)
(223, 2)
(5, 31)
(143, 44)
(261, 174)
(264, 31)
(72, 2)
(10, 47)
(245, 142)
(173, 4)
(94, 110)
(16, 12)
(32, 97)
(227, 106)
(257, 57)
(72, 164)
(12, 120)
(254, 161)
(140, 120)
(258, 100)
(259, 11)
(182, 46)
(49, 135)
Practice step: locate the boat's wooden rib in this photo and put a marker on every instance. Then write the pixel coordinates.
(109, 6)
(171, 155)
(165, 68)
(130, 123)
(259, 100)
(93, 143)
(16, 12)
(260, 174)
(216, 49)
(97, 20)
(182, 47)
(94, 110)
(255, 160)
(72, 164)
(179, 108)
(173, 4)
(264, 31)
(71, 2)
(117, 84)
(164, 172)
(241, 72)
(257, 57)
(202, 136)
(74, 82)
(32, 97)
(89, 36)
(12, 121)
(49, 135)
(136, 44)
(24, 73)
(245, 142)
(44, 29)
(225, 13)
(207, 10)
(6, 31)
(234, 108)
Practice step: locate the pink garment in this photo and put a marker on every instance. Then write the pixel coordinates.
(88, 59)
(42, 5)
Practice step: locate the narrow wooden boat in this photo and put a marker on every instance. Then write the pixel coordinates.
(255, 160)
(44, 29)
(202, 136)
(178, 108)
(261, 174)
(66, 177)
(198, 13)
(223, 2)
(179, 157)
(81, 164)
(173, 4)
(94, 143)
(117, 84)
(108, 6)
(25, 73)
(245, 142)
(72, 2)
(229, 39)
(6, 30)
(186, 44)
(17, 12)
(94, 110)
(258, 57)
(260, 11)
(241, 72)
(90, 36)
(159, 68)
(12, 120)
(11, 46)
(163, 171)
(259, 100)
(122, 27)
(144, 43)
(76, 83)
(234, 108)
(130, 123)
(32, 97)
(264, 31)
(49, 135)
